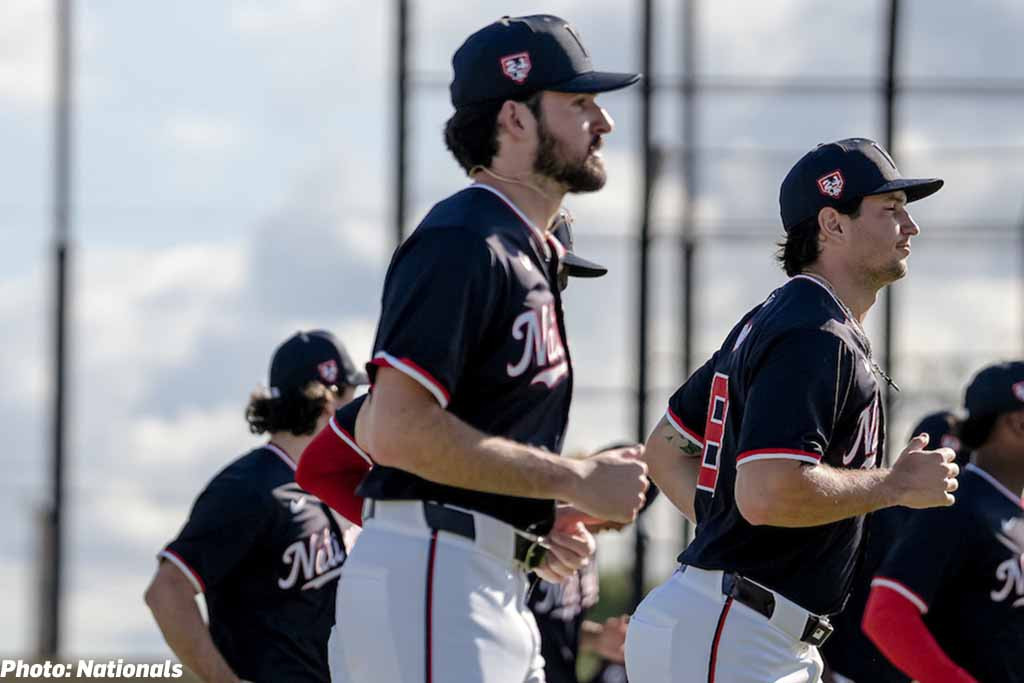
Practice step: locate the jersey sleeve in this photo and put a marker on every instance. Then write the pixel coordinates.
(928, 555)
(227, 519)
(794, 396)
(438, 298)
(333, 464)
(688, 406)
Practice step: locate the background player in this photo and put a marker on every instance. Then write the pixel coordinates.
(772, 445)
(849, 655)
(948, 603)
(265, 553)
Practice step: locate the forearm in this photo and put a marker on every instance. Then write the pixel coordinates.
(187, 635)
(785, 494)
(436, 445)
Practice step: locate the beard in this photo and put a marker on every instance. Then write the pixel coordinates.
(586, 175)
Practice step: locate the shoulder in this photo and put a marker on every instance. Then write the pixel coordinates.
(249, 478)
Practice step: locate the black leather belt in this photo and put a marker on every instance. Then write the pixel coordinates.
(816, 630)
(528, 550)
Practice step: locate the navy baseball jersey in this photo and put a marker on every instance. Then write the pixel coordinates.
(792, 381)
(559, 608)
(267, 556)
(471, 311)
(849, 651)
(963, 567)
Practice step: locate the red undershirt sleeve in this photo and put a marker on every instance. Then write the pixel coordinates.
(894, 625)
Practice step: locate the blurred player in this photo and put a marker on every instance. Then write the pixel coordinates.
(772, 445)
(849, 655)
(947, 605)
(265, 553)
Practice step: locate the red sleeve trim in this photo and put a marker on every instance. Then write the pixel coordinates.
(191, 574)
(332, 469)
(895, 625)
(689, 434)
(778, 454)
(410, 368)
(350, 441)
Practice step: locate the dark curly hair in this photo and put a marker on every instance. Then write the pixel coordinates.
(800, 247)
(471, 134)
(295, 411)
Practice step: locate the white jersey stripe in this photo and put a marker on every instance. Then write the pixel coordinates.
(343, 435)
(428, 382)
(902, 590)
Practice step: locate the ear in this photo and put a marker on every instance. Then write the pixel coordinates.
(515, 119)
(1014, 421)
(831, 226)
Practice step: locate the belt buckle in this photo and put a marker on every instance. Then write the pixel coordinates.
(530, 550)
(817, 631)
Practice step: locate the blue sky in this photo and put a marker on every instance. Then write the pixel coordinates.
(232, 184)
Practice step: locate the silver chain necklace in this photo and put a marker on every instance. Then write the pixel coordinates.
(857, 328)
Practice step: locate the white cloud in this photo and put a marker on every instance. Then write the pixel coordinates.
(201, 133)
(26, 49)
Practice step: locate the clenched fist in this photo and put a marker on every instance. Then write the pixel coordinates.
(924, 479)
(611, 485)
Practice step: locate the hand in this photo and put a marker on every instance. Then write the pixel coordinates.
(606, 640)
(570, 547)
(612, 484)
(924, 479)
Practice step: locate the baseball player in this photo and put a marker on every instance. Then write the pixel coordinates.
(265, 553)
(772, 445)
(947, 605)
(849, 655)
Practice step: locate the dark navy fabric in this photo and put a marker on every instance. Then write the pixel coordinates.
(849, 651)
(793, 380)
(471, 310)
(268, 558)
(965, 565)
(559, 610)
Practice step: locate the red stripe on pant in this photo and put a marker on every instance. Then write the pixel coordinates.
(430, 602)
(717, 640)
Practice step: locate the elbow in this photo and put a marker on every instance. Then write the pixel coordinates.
(762, 502)
(754, 510)
(155, 596)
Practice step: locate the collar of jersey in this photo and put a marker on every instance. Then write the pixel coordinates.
(276, 450)
(995, 482)
(538, 235)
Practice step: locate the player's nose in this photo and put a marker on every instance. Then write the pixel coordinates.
(604, 124)
(909, 226)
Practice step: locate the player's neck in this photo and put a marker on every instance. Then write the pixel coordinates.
(536, 201)
(292, 445)
(1003, 467)
(855, 295)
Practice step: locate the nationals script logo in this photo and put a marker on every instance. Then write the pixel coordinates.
(317, 560)
(542, 346)
(1010, 572)
(867, 436)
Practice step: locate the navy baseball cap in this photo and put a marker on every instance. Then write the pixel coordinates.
(575, 266)
(313, 356)
(516, 57)
(996, 389)
(836, 173)
(941, 428)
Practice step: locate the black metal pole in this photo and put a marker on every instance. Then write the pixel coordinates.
(401, 114)
(646, 89)
(889, 351)
(52, 558)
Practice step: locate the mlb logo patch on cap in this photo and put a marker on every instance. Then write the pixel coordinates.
(328, 371)
(517, 66)
(831, 185)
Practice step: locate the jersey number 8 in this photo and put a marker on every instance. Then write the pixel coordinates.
(714, 432)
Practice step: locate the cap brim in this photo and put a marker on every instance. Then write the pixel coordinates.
(916, 188)
(581, 267)
(596, 81)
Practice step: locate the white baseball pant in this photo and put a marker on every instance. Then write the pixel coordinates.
(687, 630)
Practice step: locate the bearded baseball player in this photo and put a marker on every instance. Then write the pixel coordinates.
(947, 604)
(472, 382)
(771, 446)
(264, 552)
